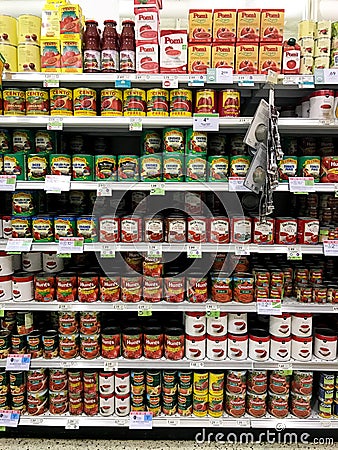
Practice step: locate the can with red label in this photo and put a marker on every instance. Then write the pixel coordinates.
(241, 230)
(88, 287)
(301, 348)
(219, 232)
(308, 230)
(109, 229)
(217, 347)
(174, 287)
(132, 343)
(153, 342)
(195, 347)
(221, 287)
(131, 288)
(90, 322)
(68, 345)
(152, 289)
(68, 322)
(131, 229)
(301, 324)
(90, 404)
(58, 380)
(263, 231)
(197, 229)
(154, 229)
(66, 287)
(197, 288)
(175, 229)
(286, 230)
(319, 293)
(111, 342)
(195, 323)
(89, 346)
(75, 404)
(174, 343)
(110, 288)
(304, 293)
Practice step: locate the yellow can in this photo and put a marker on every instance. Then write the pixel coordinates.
(111, 102)
(29, 29)
(201, 382)
(9, 52)
(180, 103)
(157, 103)
(200, 405)
(84, 102)
(216, 382)
(61, 102)
(14, 102)
(215, 405)
(134, 102)
(29, 58)
(8, 30)
(37, 102)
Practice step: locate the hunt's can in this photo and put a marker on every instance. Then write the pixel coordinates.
(88, 287)
(37, 102)
(61, 102)
(60, 164)
(157, 103)
(84, 101)
(14, 102)
(229, 102)
(180, 103)
(110, 290)
(205, 101)
(37, 166)
(134, 102)
(111, 102)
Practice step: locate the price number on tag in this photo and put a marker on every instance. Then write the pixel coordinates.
(144, 311)
(108, 251)
(269, 306)
(157, 189)
(18, 362)
(196, 364)
(125, 84)
(118, 307)
(65, 307)
(272, 77)
(104, 190)
(206, 123)
(19, 244)
(331, 248)
(109, 366)
(242, 250)
(196, 80)
(36, 421)
(7, 182)
(326, 423)
(141, 420)
(224, 76)
(331, 76)
(244, 423)
(55, 124)
(170, 82)
(173, 422)
(237, 184)
(301, 184)
(70, 245)
(9, 418)
(194, 251)
(72, 424)
(154, 251)
(294, 253)
(135, 124)
(246, 80)
(51, 80)
(215, 423)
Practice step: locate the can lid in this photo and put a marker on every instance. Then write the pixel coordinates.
(326, 92)
(281, 339)
(22, 276)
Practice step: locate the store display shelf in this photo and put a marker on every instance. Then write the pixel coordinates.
(292, 306)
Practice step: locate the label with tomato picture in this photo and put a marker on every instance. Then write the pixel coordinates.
(263, 232)
(196, 168)
(82, 167)
(219, 231)
(109, 229)
(174, 346)
(131, 288)
(110, 288)
(173, 167)
(197, 229)
(42, 229)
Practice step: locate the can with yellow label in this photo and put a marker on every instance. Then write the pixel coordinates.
(37, 102)
(84, 102)
(9, 52)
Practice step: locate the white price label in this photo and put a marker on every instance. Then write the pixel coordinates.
(65, 307)
(174, 422)
(206, 123)
(154, 250)
(269, 306)
(331, 76)
(326, 423)
(242, 250)
(52, 80)
(237, 184)
(272, 77)
(331, 248)
(108, 251)
(55, 184)
(109, 366)
(244, 423)
(290, 79)
(246, 80)
(294, 253)
(301, 184)
(196, 80)
(194, 251)
(18, 362)
(170, 82)
(36, 421)
(104, 190)
(118, 307)
(285, 366)
(224, 76)
(55, 123)
(216, 423)
(135, 124)
(73, 424)
(70, 245)
(144, 311)
(69, 364)
(121, 422)
(196, 364)
(141, 420)
(9, 418)
(19, 244)
(7, 182)
(157, 189)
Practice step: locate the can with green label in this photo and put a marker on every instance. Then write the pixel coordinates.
(23, 203)
(37, 166)
(173, 140)
(5, 141)
(60, 164)
(45, 141)
(287, 167)
(309, 166)
(151, 142)
(1, 163)
(43, 228)
(105, 168)
(15, 164)
(196, 142)
(196, 168)
(21, 227)
(83, 167)
(173, 167)
(239, 165)
(218, 168)
(23, 141)
(128, 168)
(151, 167)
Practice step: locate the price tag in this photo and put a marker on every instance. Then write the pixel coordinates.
(196, 364)
(285, 368)
(242, 250)
(9, 418)
(331, 248)
(65, 307)
(272, 77)
(73, 424)
(336, 190)
(306, 82)
(290, 79)
(2, 313)
(70, 245)
(68, 364)
(243, 423)
(154, 250)
(213, 313)
(51, 80)
(124, 84)
(196, 80)
(326, 423)
(121, 422)
(109, 366)
(7, 182)
(170, 82)
(301, 184)
(36, 421)
(294, 253)
(135, 124)
(206, 123)
(18, 362)
(55, 123)
(246, 80)
(55, 184)
(174, 422)
(118, 307)
(224, 76)
(104, 190)
(141, 420)
(19, 244)
(237, 184)
(194, 251)
(269, 306)
(108, 251)
(144, 311)
(331, 76)
(157, 189)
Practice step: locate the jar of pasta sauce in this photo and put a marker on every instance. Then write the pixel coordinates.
(132, 342)
(174, 343)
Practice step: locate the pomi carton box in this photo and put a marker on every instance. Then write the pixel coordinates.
(247, 58)
(71, 55)
(200, 25)
(272, 25)
(248, 25)
(173, 51)
(224, 25)
(146, 25)
(146, 57)
(270, 58)
(199, 58)
(223, 55)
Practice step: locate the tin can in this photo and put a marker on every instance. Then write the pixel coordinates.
(301, 348)
(29, 28)
(132, 339)
(157, 103)
(174, 288)
(64, 226)
(122, 405)
(176, 228)
(259, 345)
(89, 346)
(195, 347)
(68, 345)
(110, 288)
(6, 291)
(219, 232)
(229, 103)
(87, 227)
(58, 402)
(152, 289)
(23, 141)
(111, 343)
(105, 168)
(90, 323)
(197, 229)
(106, 382)
(88, 287)
(308, 230)
(37, 380)
(84, 102)
(134, 102)
(90, 382)
(309, 166)
(256, 404)
(109, 229)
(151, 142)
(263, 231)
(29, 58)
(45, 141)
(241, 230)
(75, 382)
(24, 322)
(15, 165)
(91, 404)
(42, 229)
(235, 404)
(128, 168)
(23, 287)
(37, 102)
(217, 347)
(239, 165)
(107, 404)
(302, 382)
(221, 287)
(60, 164)
(180, 103)
(14, 102)
(205, 102)
(9, 52)
(173, 343)
(287, 167)
(154, 229)
(195, 168)
(51, 263)
(173, 167)
(169, 404)
(82, 167)
(216, 383)
(300, 405)
(68, 322)
(50, 344)
(8, 29)
(325, 410)
(34, 344)
(237, 346)
(319, 293)
(131, 229)
(169, 382)
(218, 168)
(196, 142)
(5, 141)
(278, 405)
(75, 404)
(111, 102)
(61, 102)
(37, 166)
(325, 344)
(184, 404)
(243, 289)
(173, 140)
(153, 382)
(138, 382)
(257, 381)
(200, 405)
(286, 230)
(5, 346)
(137, 402)
(122, 382)
(151, 168)
(17, 383)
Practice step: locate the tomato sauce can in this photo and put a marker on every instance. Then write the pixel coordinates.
(197, 288)
(174, 287)
(308, 230)
(90, 381)
(237, 346)
(241, 230)
(84, 102)
(157, 103)
(75, 382)
(68, 322)
(14, 102)
(107, 404)
(45, 141)
(75, 404)
(302, 382)
(5, 345)
(259, 345)
(60, 164)
(109, 229)
(197, 229)
(89, 346)
(263, 231)
(280, 326)
(50, 344)
(90, 322)
(128, 168)
(257, 381)
(87, 227)
(301, 348)
(195, 323)
(21, 227)
(23, 286)
(110, 287)
(58, 380)
(173, 140)
(243, 288)
(132, 343)
(200, 405)
(180, 103)
(111, 343)
(217, 347)
(205, 102)
(154, 229)
(217, 326)
(131, 229)
(319, 293)
(301, 325)
(237, 323)
(37, 102)
(235, 404)
(61, 102)
(256, 404)
(195, 347)
(111, 102)
(131, 288)
(176, 228)
(68, 345)
(286, 230)
(134, 102)
(229, 102)
(91, 404)
(169, 382)
(152, 289)
(106, 382)
(6, 291)
(66, 287)
(122, 405)
(88, 287)
(219, 232)
(278, 405)
(280, 348)
(105, 168)
(174, 343)
(37, 380)
(83, 167)
(236, 382)
(325, 344)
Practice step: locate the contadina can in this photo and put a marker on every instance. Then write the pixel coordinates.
(61, 102)
(84, 102)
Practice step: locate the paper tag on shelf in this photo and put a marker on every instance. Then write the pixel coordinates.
(154, 251)
(196, 80)
(157, 189)
(206, 123)
(144, 311)
(9, 418)
(237, 184)
(215, 423)
(213, 313)
(269, 306)
(55, 123)
(110, 366)
(7, 182)
(294, 253)
(104, 190)
(121, 422)
(272, 77)
(336, 190)
(243, 423)
(330, 76)
(135, 124)
(19, 244)
(194, 251)
(290, 79)
(246, 80)
(331, 248)
(141, 420)
(36, 421)
(65, 307)
(64, 255)
(301, 184)
(125, 84)
(108, 251)
(242, 250)
(170, 82)
(70, 245)
(18, 362)
(326, 423)
(196, 364)
(224, 76)
(286, 368)
(57, 183)
(118, 306)
(2, 311)
(174, 422)
(73, 423)
(69, 364)
(52, 80)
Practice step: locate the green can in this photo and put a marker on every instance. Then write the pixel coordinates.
(60, 164)
(21, 227)
(5, 141)
(1, 163)
(37, 166)
(105, 168)
(153, 382)
(83, 167)
(218, 168)
(23, 203)
(4, 402)
(23, 141)
(151, 142)
(309, 166)
(4, 346)
(239, 165)
(64, 226)
(42, 229)
(169, 382)
(19, 402)
(151, 167)
(45, 141)
(184, 404)
(154, 404)
(128, 168)
(196, 168)
(196, 142)
(173, 140)
(15, 164)
(185, 382)
(173, 167)
(287, 167)
(4, 385)
(169, 404)
(19, 343)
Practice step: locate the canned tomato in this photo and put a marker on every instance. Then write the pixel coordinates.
(221, 287)
(137, 379)
(110, 289)
(169, 404)
(88, 287)
(195, 347)
(319, 293)
(216, 383)
(152, 289)
(280, 348)
(61, 102)
(300, 405)
(68, 322)
(325, 344)
(241, 230)
(263, 231)
(219, 230)
(111, 102)
(89, 346)
(105, 168)
(45, 141)
(257, 381)
(243, 288)
(29, 27)
(8, 26)
(87, 227)
(111, 343)
(50, 344)
(173, 140)
(24, 322)
(75, 383)
(37, 380)
(23, 204)
(122, 405)
(218, 167)
(66, 287)
(68, 345)
(205, 101)
(280, 326)
(154, 229)
(37, 102)
(23, 287)
(180, 103)
(90, 382)
(128, 168)
(309, 166)
(9, 52)
(153, 382)
(5, 345)
(287, 167)
(185, 382)
(197, 288)
(200, 405)
(107, 404)
(90, 404)
(304, 293)
(302, 382)
(23, 141)
(60, 164)
(82, 167)
(157, 103)
(173, 343)
(137, 402)
(217, 347)
(75, 404)
(14, 102)
(42, 229)
(37, 166)
(256, 404)
(15, 165)
(259, 345)
(196, 142)
(217, 326)
(301, 348)
(151, 142)
(17, 383)
(197, 229)
(184, 405)
(176, 228)
(325, 410)
(64, 226)
(229, 102)
(196, 168)
(169, 382)
(308, 230)
(286, 230)
(132, 343)
(131, 288)
(134, 102)
(239, 165)
(237, 323)
(174, 287)
(84, 102)
(151, 168)
(34, 344)
(6, 291)
(278, 405)
(235, 404)
(106, 382)
(201, 382)
(332, 293)
(173, 167)
(90, 322)
(5, 141)
(195, 323)
(109, 229)
(29, 58)
(237, 346)
(58, 402)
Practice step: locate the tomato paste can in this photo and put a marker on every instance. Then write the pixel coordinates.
(5, 345)
(110, 287)
(122, 405)
(50, 344)
(278, 404)
(241, 230)
(122, 382)
(184, 404)
(238, 346)
(37, 102)
(237, 323)
(308, 230)
(205, 102)
(235, 404)
(217, 326)
(138, 382)
(216, 347)
(173, 140)
(111, 342)
(157, 103)
(257, 381)
(88, 287)
(134, 102)
(75, 404)
(75, 382)
(105, 168)
(132, 343)
(176, 228)
(197, 288)
(151, 142)
(197, 229)
(301, 325)
(66, 287)
(169, 382)
(64, 226)
(280, 348)
(152, 289)
(325, 344)
(259, 345)
(229, 103)
(15, 165)
(111, 102)
(68, 322)
(200, 405)
(301, 348)
(128, 168)
(263, 231)
(61, 102)
(280, 326)
(302, 382)
(195, 323)
(243, 288)
(173, 167)
(89, 346)
(87, 227)
(23, 287)
(151, 167)
(218, 168)
(322, 104)
(90, 322)
(180, 103)
(195, 168)
(239, 165)
(131, 288)
(14, 101)
(60, 164)
(173, 343)
(68, 345)
(174, 287)
(286, 230)
(84, 102)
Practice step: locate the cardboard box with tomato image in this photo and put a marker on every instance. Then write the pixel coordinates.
(272, 25)
(70, 17)
(248, 25)
(224, 25)
(50, 55)
(173, 51)
(146, 25)
(247, 58)
(71, 55)
(200, 25)
(223, 56)
(146, 57)
(270, 58)
(199, 58)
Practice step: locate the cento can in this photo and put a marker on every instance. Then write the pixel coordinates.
(111, 102)
(229, 102)
(157, 103)
(205, 101)
(84, 101)
(61, 102)
(180, 103)
(134, 102)
(60, 164)
(14, 102)
(200, 405)
(37, 102)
